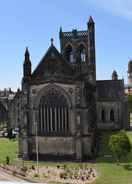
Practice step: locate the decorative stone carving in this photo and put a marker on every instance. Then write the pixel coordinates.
(78, 95)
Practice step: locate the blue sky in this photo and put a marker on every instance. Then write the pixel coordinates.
(32, 23)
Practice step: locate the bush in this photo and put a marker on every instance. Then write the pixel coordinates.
(14, 173)
(120, 145)
(24, 169)
(36, 175)
(63, 175)
(7, 160)
(33, 167)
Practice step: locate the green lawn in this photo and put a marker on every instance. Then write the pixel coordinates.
(8, 148)
(109, 171)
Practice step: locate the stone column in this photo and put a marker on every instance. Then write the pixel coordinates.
(51, 126)
(55, 119)
(78, 148)
(41, 120)
(44, 121)
(66, 122)
(48, 128)
(59, 119)
(62, 118)
(78, 139)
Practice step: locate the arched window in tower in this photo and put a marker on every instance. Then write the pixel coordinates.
(69, 54)
(112, 116)
(82, 53)
(53, 114)
(103, 116)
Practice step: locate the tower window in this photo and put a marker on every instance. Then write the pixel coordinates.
(103, 116)
(82, 53)
(69, 54)
(112, 118)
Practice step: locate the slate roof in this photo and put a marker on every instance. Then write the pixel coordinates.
(110, 89)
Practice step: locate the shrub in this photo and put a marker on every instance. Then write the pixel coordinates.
(24, 169)
(7, 160)
(119, 145)
(58, 166)
(33, 167)
(14, 173)
(36, 175)
(63, 175)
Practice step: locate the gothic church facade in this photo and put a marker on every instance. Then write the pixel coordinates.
(64, 105)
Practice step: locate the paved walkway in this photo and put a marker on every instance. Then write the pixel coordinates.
(7, 178)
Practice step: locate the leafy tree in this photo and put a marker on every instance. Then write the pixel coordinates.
(120, 145)
(130, 103)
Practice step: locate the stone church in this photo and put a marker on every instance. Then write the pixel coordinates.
(63, 103)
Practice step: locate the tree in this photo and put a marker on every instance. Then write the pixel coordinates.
(120, 145)
(130, 103)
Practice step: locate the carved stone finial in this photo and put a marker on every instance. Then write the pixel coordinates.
(27, 52)
(52, 40)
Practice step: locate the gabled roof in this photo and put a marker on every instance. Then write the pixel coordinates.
(108, 89)
(52, 63)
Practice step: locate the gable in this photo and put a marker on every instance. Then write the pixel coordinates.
(52, 64)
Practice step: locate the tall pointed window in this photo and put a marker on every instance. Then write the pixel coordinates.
(103, 116)
(112, 118)
(53, 114)
(69, 54)
(82, 53)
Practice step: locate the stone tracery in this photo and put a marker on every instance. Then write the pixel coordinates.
(53, 114)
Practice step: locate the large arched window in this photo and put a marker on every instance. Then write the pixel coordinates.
(103, 115)
(112, 118)
(53, 114)
(69, 54)
(82, 53)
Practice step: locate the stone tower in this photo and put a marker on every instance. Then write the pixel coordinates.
(129, 72)
(78, 48)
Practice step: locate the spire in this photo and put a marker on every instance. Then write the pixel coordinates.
(27, 52)
(91, 40)
(90, 21)
(114, 75)
(52, 41)
(27, 56)
(60, 33)
(27, 64)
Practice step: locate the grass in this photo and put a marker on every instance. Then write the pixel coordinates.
(8, 148)
(109, 172)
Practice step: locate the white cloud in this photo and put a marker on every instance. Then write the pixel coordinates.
(118, 7)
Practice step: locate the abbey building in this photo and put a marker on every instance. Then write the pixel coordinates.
(63, 103)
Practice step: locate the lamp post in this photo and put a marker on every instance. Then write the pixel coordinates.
(36, 141)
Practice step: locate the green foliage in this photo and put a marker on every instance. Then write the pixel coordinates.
(7, 160)
(130, 103)
(36, 175)
(119, 145)
(8, 148)
(64, 175)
